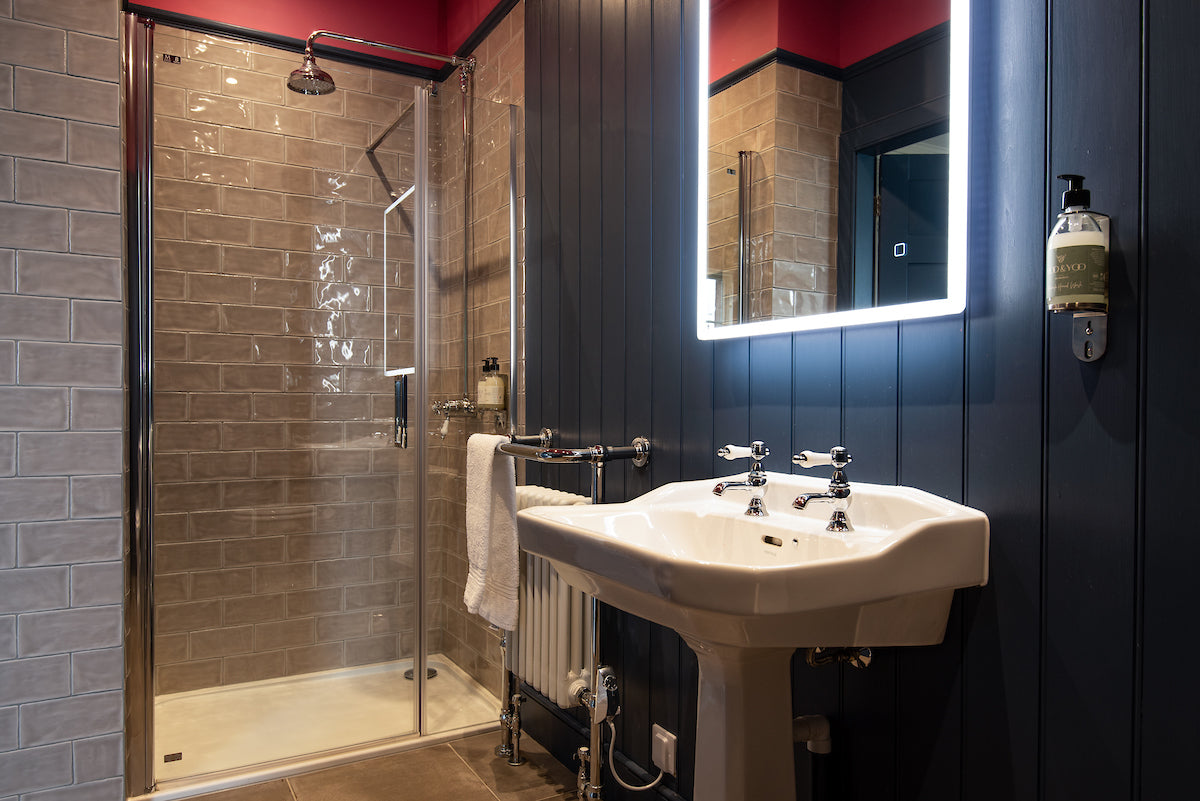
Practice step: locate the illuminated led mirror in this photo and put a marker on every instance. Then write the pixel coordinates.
(832, 195)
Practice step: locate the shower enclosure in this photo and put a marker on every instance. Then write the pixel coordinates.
(295, 577)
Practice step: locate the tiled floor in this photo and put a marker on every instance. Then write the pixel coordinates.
(463, 770)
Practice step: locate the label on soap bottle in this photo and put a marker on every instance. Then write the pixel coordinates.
(491, 393)
(1078, 274)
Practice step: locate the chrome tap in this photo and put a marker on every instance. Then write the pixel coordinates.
(839, 487)
(756, 479)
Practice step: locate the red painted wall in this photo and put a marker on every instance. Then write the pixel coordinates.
(438, 26)
(812, 28)
(869, 26)
(739, 32)
(462, 17)
(834, 32)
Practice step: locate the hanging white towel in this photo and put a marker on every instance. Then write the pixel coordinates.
(494, 570)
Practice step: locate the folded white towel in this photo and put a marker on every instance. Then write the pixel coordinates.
(494, 570)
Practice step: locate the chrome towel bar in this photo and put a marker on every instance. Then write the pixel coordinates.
(638, 451)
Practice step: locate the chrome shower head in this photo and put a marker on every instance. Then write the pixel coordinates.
(310, 79)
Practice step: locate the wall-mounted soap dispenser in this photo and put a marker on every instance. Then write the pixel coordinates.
(1077, 270)
(493, 387)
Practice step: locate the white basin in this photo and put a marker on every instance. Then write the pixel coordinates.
(745, 592)
(691, 560)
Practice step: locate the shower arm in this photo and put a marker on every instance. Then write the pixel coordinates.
(457, 61)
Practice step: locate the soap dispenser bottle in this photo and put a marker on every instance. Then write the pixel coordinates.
(491, 394)
(1077, 254)
(501, 382)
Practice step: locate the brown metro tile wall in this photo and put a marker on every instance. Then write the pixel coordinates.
(283, 515)
(791, 120)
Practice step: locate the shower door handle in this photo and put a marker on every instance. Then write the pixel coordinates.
(400, 430)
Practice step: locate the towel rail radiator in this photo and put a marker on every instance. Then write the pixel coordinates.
(596, 455)
(538, 448)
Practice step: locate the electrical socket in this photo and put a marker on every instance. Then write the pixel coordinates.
(663, 749)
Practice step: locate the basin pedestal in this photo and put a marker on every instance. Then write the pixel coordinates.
(744, 744)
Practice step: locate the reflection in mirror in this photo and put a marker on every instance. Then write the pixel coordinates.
(901, 221)
(835, 164)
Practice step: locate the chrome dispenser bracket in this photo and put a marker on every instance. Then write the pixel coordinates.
(641, 447)
(1089, 336)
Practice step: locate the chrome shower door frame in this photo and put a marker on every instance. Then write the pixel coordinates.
(137, 41)
(138, 118)
(421, 266)
(137, 47)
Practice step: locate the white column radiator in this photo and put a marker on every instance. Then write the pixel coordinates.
(549, 649)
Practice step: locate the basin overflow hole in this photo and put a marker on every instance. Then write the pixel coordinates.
(769, 540)
(173, 757)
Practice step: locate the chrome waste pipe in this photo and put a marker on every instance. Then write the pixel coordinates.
(510, 714)
(591, 756)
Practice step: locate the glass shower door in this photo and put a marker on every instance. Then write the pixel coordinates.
(284, 527)
(430, 227)
(304, 567)
(472, 257)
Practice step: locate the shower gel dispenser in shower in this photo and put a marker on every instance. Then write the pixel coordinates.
(493, 387)
(1077, 269)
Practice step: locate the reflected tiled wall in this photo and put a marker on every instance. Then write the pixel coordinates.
(283, 515)
(791, 119)
(61, 373)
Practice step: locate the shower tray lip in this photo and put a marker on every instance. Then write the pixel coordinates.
(186, 787)
(433, 660)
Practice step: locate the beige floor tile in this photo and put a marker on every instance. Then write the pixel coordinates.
(268, 791)
(541, 777)
(428, 774)
(462, 769)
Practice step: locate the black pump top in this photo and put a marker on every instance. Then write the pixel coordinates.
(1075, 195)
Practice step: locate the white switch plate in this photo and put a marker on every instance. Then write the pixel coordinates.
(663, 749)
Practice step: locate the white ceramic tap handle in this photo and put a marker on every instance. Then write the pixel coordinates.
(812, 459)
(731, 452)
(755, 450)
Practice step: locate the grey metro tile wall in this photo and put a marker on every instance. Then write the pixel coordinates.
(61, 373)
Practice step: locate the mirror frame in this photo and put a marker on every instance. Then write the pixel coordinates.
(956, 277)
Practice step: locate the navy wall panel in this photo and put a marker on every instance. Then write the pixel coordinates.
(1003, 413)
(591, 262)
(570, 372)
(1171, 505)
(1061, 677)
(1091, 417)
